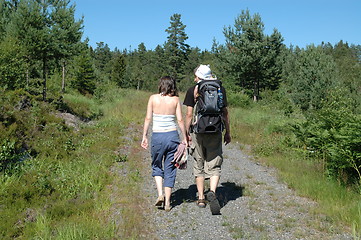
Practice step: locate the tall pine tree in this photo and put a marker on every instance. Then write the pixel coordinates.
(47, 30)
(251, 56)
(309, 76)
(66, 33)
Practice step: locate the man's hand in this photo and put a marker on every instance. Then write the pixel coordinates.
(189, 140)
(227, 138)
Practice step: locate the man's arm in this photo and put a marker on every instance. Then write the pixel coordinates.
(181, 121)
(189, 115)
(227, 135)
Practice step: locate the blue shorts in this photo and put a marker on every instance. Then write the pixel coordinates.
(164, 145)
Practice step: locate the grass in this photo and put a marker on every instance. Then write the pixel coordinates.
(84, 107)
(70, 189)
(62, 191)
(267, 131)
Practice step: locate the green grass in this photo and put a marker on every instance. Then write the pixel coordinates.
(267, 131)
(84, 107)
(62, 191)
(67, 190)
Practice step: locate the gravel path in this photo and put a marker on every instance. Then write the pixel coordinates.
(255, 205)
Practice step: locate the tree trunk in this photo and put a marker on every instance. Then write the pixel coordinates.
(27, 77)
(44, 77)
(27, 71)
(255, 90)
(63, 79)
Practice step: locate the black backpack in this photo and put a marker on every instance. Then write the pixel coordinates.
(207, 117)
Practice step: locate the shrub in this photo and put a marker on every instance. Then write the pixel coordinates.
(12, 63)
(82, 106)
(238, 99)
(333, 134)
(9, 156)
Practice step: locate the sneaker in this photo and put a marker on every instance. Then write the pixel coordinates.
(213, 203)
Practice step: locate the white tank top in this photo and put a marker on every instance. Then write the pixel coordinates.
(164, 123)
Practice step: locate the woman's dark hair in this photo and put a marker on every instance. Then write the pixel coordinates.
(167, 86)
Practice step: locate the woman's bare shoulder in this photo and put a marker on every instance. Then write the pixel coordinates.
(174, 99)
(153, 96)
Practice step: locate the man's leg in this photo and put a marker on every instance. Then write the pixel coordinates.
(213, 183)
(201, 202)
(198, 167)
(213, 169)
(212, 197)
(200, 187)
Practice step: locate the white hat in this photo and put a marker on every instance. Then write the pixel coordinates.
(204, 72)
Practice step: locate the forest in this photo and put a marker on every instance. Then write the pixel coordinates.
(46, 68)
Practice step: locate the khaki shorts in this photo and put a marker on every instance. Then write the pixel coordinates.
(206, 149)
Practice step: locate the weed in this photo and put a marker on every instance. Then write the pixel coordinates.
(356, 225)
(237, 232)
(121, 158)
(225, 224)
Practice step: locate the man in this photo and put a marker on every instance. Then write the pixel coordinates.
(206, 148)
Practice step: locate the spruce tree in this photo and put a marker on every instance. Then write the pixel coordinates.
(176, 48)
(84, 80)
(103, 57)
(118, 68)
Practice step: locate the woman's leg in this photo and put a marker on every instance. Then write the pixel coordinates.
(159, 184)
(170, 170)
(168, 193)
(157, 150)
(169, 179)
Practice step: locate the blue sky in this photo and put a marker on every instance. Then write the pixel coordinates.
(127, 23)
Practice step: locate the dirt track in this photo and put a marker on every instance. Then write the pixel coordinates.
(255, 205)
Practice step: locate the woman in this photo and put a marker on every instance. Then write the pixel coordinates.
(164, 108)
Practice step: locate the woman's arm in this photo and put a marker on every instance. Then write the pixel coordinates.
(148, 118)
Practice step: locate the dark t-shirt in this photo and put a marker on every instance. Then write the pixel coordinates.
(189, 98)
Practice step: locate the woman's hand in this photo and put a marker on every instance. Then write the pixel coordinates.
(144, 143)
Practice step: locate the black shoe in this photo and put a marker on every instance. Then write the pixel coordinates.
(213, 203)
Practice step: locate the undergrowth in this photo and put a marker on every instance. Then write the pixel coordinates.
(57, 183)
(270, 133)
(54, 184)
